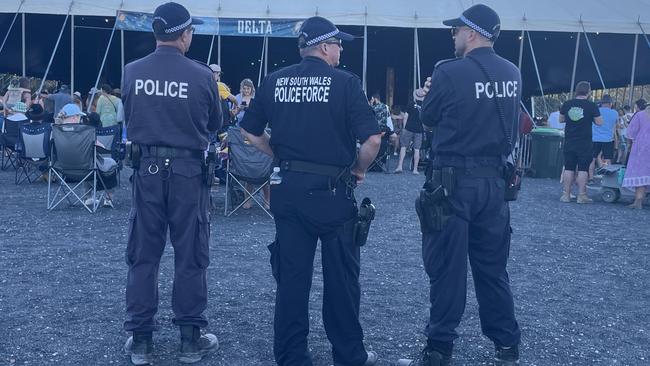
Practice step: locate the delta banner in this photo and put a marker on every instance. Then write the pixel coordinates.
(287, 28)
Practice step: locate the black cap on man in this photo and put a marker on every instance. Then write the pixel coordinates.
(318, 29)
(170, 20)
(481, 18)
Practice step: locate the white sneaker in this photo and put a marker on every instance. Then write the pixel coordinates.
(108, 203)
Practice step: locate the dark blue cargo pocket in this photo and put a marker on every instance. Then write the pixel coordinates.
(202, 250)
(188, 169)
(275, 259)
(129, 253)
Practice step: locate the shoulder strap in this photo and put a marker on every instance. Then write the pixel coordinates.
(500, 111)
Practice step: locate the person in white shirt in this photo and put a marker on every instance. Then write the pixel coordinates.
(554, 120)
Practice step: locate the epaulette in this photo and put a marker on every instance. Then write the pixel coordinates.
(202, 64)
(442, 62)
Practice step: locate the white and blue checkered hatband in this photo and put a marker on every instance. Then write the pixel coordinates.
(475, 27)
(321, 38)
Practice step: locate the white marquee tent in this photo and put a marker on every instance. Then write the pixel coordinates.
(579, 16)
(623, 16)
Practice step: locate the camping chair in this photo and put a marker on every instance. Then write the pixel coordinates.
(8, 141)
(110, 138)
(245, 164)
(33, 151)
(73, 162)
(380, 163)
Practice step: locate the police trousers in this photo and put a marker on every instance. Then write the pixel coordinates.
(170, 197)
(305, 211)
(479, 228)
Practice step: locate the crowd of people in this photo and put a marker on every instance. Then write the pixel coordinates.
(598, 135)
(463, 206)
(103, 108)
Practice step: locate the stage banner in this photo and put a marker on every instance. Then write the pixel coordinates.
(287, 28)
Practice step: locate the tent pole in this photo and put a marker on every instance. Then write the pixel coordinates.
(72, 53)
(23, 46)
(56, 46)
(575, 62)
(122, 50)
(418, 67)
(266, 56)
(259, 77)
(219, 49)
(539, 78)
(593, 56)
(365, 51)
(12, 25)
(210, 51)
(636, 44)
(415, 58)
(101, 68)
(521, 48)
(532, 106)
(644, 35)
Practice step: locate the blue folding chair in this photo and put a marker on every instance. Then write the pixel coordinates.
(33, 151)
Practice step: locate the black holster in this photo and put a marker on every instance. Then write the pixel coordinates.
(209, 165)
(512, 176)
(363, 222)
(431, 205)
(133, 154)
(432, 209)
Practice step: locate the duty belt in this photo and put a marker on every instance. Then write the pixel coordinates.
(311, 168)
(479, 172)
(170, 152)
(463, 161)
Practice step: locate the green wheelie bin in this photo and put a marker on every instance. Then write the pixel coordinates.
(546, 153)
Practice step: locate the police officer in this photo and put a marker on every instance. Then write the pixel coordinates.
(170, 105)
(316, 113)
(473, 102)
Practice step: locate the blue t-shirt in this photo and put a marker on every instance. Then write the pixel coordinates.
(605, 133)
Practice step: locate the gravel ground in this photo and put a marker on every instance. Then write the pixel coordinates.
(579, 275)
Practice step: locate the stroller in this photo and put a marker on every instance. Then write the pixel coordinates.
(610, 185)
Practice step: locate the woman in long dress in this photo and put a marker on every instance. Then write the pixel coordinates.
(637, 173)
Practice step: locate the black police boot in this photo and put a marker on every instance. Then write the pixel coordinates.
(428, 357)
(195, 345)
(506, 356)
(372, 358)
(139, 347)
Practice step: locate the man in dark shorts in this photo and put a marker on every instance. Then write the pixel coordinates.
(413, 132)
(578, 114)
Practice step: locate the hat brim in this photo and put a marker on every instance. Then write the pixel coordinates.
(196, 21)
(344, 36)
(456, 22)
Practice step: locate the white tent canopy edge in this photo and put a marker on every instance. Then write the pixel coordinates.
(534, 15)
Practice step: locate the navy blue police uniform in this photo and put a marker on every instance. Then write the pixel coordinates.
(170, 104)
(316, 114)
(470, 138)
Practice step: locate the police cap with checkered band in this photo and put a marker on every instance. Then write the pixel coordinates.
(481, 18)
(318, 29)
(171, 18)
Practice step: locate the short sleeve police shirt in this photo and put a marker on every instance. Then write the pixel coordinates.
(170, 100)
(462, 105)
(316, 113)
